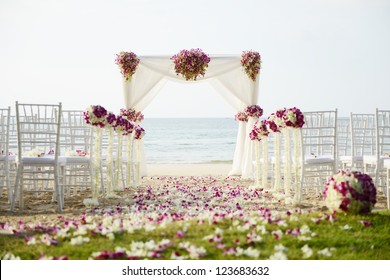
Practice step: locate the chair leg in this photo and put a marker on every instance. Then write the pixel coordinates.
(17, 179)
(388, 188)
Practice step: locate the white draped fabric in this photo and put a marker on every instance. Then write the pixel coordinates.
(224, 73)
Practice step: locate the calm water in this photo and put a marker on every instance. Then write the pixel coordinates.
(190, 140)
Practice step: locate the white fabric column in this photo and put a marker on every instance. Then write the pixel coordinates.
(249, 151)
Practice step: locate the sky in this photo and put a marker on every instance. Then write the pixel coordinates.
(316, 55)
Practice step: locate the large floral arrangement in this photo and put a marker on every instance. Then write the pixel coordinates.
(251, 61)
(191, 63)
(132, 115)
(128, 62)
(139, 132)
(293, 117)
(241, 117)
(95, 115)
(259, 131)
(123, 126)
(111, 120)
(275, 121)
(352, 192)
(254, 111)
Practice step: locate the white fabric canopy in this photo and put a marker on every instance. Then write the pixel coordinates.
(224, 73)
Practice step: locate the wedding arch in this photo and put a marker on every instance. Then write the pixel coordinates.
(224, 72)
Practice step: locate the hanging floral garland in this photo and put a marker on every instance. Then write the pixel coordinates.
(127, 62)
(191, 64)
(260, 132)
(251, 61)
(132, 115)
(351, 192)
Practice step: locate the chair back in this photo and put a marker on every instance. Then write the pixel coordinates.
(319, 134)
(4, 131)
(363, 134)
(75, 134)
(38, 129)
(383, 132)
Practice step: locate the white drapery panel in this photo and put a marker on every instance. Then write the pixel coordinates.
(224, 73)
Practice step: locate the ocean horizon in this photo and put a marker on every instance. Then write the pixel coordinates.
(189, 140)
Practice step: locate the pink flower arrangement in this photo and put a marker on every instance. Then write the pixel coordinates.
(128, 62)
(241, 117)
(260, 130)
(254, 111)
(275, 121)
(251, 61)
(139, 132)
(191, 64)
(351, 192)
(132, 115)
(95, 115)
(293, 117)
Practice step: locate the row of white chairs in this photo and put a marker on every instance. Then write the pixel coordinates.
(328, 143)
(57, 134)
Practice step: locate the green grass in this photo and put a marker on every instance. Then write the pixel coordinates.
(358, 242)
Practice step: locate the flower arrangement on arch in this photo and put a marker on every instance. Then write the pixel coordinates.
(191, 64)
(95, 115)
(293, 117)
(351, 192)
(259, 131)
(254, 111)
(251, 61)
(127, 62)
(241, 117)
(139, 132)
(132, 115)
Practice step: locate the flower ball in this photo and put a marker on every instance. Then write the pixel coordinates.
(351, 192)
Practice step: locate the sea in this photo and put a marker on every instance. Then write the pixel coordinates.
(189, 140)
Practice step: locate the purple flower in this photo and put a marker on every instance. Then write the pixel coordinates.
(128, 62)
(191, 64)
(254, 111)
(139, 132)
(251, 61)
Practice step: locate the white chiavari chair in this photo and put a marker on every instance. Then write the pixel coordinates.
(76, 152)
(374, 163)
(38, 131)
(319, 146)
(362, 140)
(7, 155)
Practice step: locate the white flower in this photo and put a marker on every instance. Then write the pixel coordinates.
(278, 255)
(79, 240)
(32, 241)
(82, 230)
(326, 252)
(175, 256)
(303, 238)
(10, 256)
(307, 251)
(305, 229)
(261, 229)
(280, 248)
(346, 227)
(46, 239)
(251, 252)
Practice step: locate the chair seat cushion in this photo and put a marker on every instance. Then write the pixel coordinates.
(319, 160)
(350, 158)
(386, 163)
(373, 159)
(46, 160)
(10, 158)
(74, 159)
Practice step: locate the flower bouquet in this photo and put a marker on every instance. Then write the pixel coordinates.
(251, 61)
(191, 64)
(95, 115)
(351, 192)
(293, 117)
(254, 111)
(132, 115)
(241, 117)
(259, 131)
(128, 62)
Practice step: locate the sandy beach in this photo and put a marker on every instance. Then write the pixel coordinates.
(220, 169)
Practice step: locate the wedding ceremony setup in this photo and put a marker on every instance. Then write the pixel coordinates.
(294, 174)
